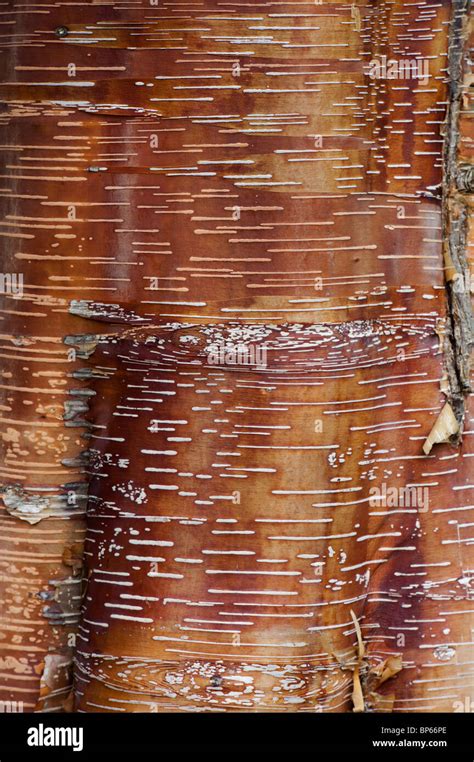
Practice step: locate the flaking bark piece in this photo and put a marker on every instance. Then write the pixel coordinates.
(72, 557)
(445, 427)
(26, 505)
(380, 703)
(384, 671)
(357, 693)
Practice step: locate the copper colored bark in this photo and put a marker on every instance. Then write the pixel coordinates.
(183, 182)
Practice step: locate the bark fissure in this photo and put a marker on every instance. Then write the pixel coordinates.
(457, 179)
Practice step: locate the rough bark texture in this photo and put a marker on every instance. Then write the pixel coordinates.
(184, 182)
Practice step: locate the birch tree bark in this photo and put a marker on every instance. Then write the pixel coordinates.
(244, 326)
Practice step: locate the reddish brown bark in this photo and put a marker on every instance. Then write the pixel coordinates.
(231, 174)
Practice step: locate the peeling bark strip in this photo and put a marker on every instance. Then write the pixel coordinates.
(228, 229)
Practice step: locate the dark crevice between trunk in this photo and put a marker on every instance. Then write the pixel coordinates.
(457, 183)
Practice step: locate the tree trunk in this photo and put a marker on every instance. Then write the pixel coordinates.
(237, 313)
